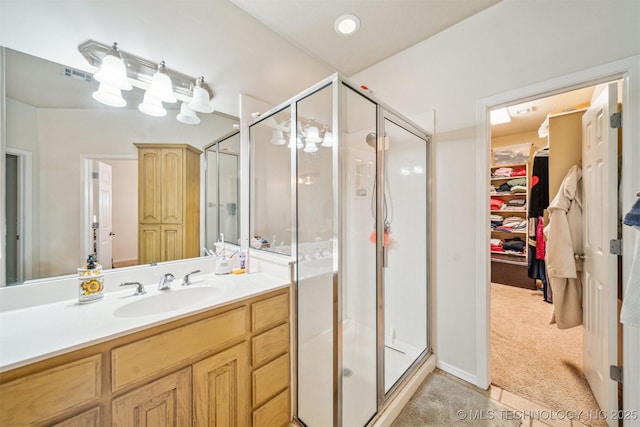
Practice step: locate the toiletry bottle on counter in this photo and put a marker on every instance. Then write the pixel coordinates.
(90, 280)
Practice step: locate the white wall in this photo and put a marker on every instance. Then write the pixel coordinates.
(125, 210)
(510, 45)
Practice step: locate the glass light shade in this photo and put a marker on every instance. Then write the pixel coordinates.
(113, 71)
(187, 115)
(310, 147)
(278, 137)
(299, 143)
(152, 106)
(161, 86)
(327, 141)
(200, 101)
(109, 95)
(313, 135)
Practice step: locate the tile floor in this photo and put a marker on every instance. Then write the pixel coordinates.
(532, 414)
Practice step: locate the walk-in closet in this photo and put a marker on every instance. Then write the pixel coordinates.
(549, 202)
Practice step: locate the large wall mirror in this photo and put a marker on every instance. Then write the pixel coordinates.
(57, 142)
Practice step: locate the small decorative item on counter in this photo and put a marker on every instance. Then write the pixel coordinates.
(91, 281)
(243, 260)
(259, 242)
(223, 265)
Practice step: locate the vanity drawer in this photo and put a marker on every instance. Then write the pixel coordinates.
(269, 312)
(147, 357)
(270, 344)
(275, 413)
(270, 379)
(40, 396)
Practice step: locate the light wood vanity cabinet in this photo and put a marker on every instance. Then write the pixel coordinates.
(270, 358)
(168, 202)
(218, 368)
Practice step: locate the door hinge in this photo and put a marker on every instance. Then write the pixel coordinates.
(615, 120)
(615, 246)
(615, 372)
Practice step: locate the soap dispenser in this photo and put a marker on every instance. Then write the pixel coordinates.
(91, 281)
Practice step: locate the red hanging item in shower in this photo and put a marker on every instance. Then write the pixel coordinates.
(387, 237)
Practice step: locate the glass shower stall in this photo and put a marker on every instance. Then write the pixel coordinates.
(339, 184)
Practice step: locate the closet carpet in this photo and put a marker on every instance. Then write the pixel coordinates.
(534, 359)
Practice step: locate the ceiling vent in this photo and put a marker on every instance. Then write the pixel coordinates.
(76, 74)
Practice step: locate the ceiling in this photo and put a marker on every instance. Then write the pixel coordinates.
(528, 116)
(386, 26)
(268, 49)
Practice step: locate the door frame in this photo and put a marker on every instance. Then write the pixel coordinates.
(628, 70)
(86, 234)
(25, 212)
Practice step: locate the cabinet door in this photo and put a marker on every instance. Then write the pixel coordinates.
(149, 195)
(172, 242)
(149, 243)
(90, 418)
(164, 402)
(220, 389)
(172, 185)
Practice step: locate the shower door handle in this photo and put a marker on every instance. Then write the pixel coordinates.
(385, 260)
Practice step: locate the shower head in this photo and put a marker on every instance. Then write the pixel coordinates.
(371, 140)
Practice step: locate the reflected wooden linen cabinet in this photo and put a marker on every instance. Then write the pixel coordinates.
(168, 202)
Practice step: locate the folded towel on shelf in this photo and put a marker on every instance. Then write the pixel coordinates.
(519, 172)
(517, 181)
(518, 189)
(502, 172)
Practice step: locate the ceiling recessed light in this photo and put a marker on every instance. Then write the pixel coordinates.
(347, 24)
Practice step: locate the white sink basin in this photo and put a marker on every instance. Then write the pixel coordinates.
(174, 299)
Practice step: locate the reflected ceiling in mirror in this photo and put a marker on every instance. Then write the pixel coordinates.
(55, 132)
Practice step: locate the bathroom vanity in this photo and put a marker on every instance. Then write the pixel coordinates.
(221, 361)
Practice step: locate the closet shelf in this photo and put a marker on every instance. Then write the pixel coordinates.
(519, 232)
(510, 267)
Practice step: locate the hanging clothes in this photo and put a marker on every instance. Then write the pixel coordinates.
(564, 240)
(630, 311)
(538, 202)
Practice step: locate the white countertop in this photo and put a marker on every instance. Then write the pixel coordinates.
(35, 333)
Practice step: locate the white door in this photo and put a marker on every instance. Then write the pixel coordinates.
(600, 171)
(105, 225)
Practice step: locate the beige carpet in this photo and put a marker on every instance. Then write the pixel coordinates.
(441, 401)
(533, 358)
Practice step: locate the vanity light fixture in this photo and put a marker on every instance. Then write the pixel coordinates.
(346, 25)
(120, 70)
(109, 95)
(161, 86)
(187, 115)
(113, 71)
(200, 102)
(152, 105)
(327, 139)
(278, 137)
(310, 147)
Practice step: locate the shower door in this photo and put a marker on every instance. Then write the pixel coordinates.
(402, 206)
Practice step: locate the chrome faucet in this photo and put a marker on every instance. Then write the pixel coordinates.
(139, 287)
(165, 282)
(187, 278)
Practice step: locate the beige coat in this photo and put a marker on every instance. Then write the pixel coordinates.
(564, 241)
